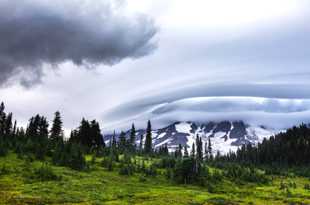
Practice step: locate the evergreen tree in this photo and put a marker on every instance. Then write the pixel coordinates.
(148, 139)
(56, 132)
(193, 152)
(2, 119)
(141, 143)
(122, 142)
(206, 152)
(8, 126)
(95, 135)
(84, 133)
(199, 148)
(133, 138)
(185, 152)
(15, 127)
(178, 152)
(89, 135)
(209, 148)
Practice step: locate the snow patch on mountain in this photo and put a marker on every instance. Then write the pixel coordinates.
(225, 136)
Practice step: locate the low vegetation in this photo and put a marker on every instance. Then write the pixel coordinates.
(38, 166)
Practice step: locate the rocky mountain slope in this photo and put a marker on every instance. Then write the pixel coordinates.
(225, 136)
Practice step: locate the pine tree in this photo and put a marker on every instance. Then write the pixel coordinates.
(2, 119)
(210, 148)
(56, 132)
(185, 151)
(199, 148)
(206, 151)
(148, 139)
(84, 133)
(15, 128)
(8, 127)
(178, 152)
(122, 142)
(96, 137)
(133, 138)
(193, 152)
(141, 143)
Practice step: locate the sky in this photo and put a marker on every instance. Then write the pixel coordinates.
(129, 61)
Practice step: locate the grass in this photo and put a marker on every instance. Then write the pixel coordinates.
(19, 185)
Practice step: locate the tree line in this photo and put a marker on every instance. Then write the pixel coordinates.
(136, 154)
(289, 148)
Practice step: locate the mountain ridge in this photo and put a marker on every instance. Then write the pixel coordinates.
(225, 136)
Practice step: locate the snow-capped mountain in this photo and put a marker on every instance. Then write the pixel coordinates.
(225, 136)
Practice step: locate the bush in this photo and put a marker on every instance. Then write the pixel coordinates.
(108, 163)
(150, 171)
(167, 162)
(126, 169)
(4, 170)
(3, 149)
(248, 174)
(142, 179)
(45, 173)
(69, 155)
(190, 171)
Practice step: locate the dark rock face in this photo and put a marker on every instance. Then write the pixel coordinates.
(224, 126)
(238, 131)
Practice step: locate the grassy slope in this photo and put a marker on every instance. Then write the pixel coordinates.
(101, 187)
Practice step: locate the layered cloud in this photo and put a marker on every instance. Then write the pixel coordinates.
(277, 106)
(248, 61)
(38, 32)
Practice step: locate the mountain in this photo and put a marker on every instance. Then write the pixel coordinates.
(225, 136)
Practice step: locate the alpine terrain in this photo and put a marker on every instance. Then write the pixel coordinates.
(224, 136)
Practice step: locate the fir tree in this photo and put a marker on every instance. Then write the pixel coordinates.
(2, 119)
(122, 142)
(96, 137)
(133, 137)
(210, 148)
(141, 143)
(56, 132)
(193, 152)
(148, 139)
(8, 126)
(178, 152)
(185, 151)
(199, 148)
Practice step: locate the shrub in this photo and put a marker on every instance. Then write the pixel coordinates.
(126, 169)
(108, 163)
(150, 171)
(248, 174)
(69, 155)
(4, 170)
(167, 162)
(190, 171)
(142, 179)
(45, 173)
(3, 149)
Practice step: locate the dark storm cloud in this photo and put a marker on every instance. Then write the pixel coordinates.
(34, 33)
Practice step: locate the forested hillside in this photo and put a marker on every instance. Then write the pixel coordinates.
(38, 163)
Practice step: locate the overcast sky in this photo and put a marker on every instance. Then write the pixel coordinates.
(129, 61)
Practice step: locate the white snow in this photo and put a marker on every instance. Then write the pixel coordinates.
(163, 143)
(183, 127)
(261, 133)
(219, 134)
(161, 135)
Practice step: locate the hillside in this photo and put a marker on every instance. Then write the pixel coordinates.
(21, 183)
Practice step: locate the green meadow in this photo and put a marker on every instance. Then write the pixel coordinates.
(21, 182)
